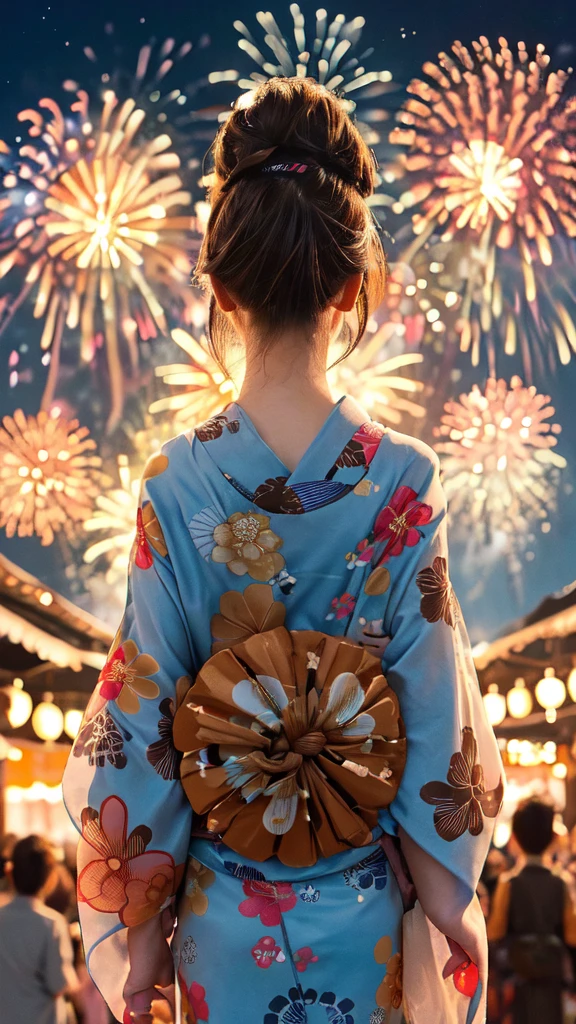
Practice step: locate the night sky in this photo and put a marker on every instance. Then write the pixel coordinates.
(40, 45)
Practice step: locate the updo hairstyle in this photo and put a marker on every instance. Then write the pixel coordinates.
(284, 244)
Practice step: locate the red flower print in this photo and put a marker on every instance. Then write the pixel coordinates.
(267, 900)
(265, 952)
(194, 1006)
(396, 525)
(343, 606)
(362, 447)
(142, 554)
(369, 436)
(125, 677)
(198, 1002)
(117, 875)
(302, 957)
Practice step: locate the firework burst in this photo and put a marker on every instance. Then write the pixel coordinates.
(114, 518)
(491, 144)
(90, 220)
(206, 388)
(499, 468)
(371, 376)
(49, 477)
(330, 52)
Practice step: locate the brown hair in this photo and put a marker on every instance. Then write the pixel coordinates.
(32, 864)
(284, 244)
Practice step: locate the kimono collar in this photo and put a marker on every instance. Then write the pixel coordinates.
(244, 458)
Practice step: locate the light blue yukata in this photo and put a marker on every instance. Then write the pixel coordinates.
(351, 545)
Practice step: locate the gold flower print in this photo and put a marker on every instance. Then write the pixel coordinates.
(198, 878)
(243, 614)
(389, 992)
(125, 677)
(246, 544)
(153, 530)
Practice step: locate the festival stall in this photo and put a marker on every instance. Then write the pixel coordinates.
(50, 654)
(528, 677)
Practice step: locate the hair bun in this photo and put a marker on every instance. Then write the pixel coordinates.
(303, 118)
(288, 223)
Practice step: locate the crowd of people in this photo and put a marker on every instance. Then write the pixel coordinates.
(528, 893)
(43, 977)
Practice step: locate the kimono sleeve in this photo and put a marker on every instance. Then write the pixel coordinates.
(121, 785)
(452, 785)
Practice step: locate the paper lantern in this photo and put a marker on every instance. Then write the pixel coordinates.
(72, 722)
(519, 700)
(495, 704)
(550, 694)
(572, 684)
(47, 719)
(20, 704)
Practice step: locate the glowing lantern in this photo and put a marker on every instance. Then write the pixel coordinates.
(47, 719)
(559, 770)
(519, 700)
(72, 723)
(550, 694)
(20, 704)
(495, 705)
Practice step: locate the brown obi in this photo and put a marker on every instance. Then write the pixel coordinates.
(292, 743)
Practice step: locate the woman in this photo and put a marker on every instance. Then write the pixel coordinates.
(289, 554)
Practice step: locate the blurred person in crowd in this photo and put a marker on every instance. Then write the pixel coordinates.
(36, 959)
(7, 845)
(497, 863)
(532, 910)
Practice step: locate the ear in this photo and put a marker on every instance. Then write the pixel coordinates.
(346, 298)
(222, 296)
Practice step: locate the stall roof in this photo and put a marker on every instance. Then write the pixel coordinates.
(45, 624)
(553, 619)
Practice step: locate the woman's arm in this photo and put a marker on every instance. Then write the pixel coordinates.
(122, 785)
(446, 903)
(451, 788)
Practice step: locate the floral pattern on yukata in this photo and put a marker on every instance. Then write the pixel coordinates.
(291, 1009)
(439, 601)
(370, 873)
(117, 873)
(461, 802)
(214, 428)
(101, 740)
(125, 679)
(389, 993)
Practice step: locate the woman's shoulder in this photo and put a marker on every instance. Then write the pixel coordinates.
(402, 453)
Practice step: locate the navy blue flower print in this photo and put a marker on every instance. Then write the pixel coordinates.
(308, 894)
(337, 1013)
(292, 1009)
(370, 873)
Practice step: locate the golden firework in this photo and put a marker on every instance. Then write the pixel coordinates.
(49, 480)
(491, 144)
(90, 219)
(206, 388)
(115, 517)
(329, 50)
(371, 376)
(499, 468)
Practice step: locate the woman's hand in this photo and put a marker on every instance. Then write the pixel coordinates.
(151, 967)
(446, 903)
